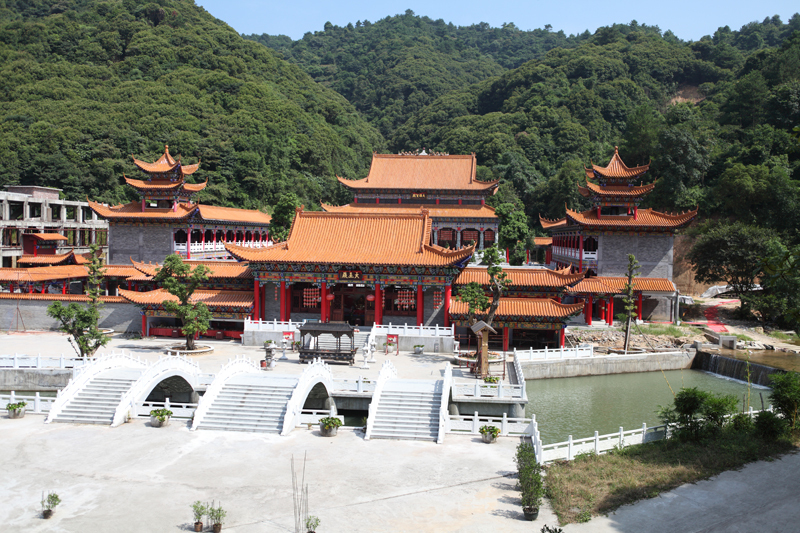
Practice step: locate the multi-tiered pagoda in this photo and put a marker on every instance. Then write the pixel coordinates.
(168, 219)
(600, 239)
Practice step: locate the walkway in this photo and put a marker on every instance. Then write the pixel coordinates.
(711, 314)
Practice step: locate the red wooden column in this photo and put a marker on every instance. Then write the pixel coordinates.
(505, 339)
(610, 311)
(420, 305)
(639, 306)
(580, 255)
(144, 325)
(561, 338)
(323, 302)
(283, 301)
(288, 302)
(129, 284)
(64, 289)
(378, 304)
(256, 300)
(263, 302)
(448, 291)
(602, 309)
(589, 310)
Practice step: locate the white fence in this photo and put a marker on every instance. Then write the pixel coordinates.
(311, 417)
(472, 424)
(179, 410)
(358, 386)
(271, 325)
(37, 403)
(574, 253)
(416, 331)
(488, 390)
(553, 353)
(37, 361)
(598, 444)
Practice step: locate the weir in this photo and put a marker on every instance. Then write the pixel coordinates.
(733, 368)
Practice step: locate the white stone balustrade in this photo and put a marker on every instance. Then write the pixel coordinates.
(37, 361)
(37, 404)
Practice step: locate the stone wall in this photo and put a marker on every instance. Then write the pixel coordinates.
(654, 253)
(599, 366)
(35, 379)
(33, 313)
(141, 243)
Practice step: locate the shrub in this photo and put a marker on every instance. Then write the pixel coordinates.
(530, 476)
(161, 414)
(330, 422)
(770, 426)
(695, 412)
(491, 379)
(16, 406)
(199, 510)
(785, 396)
(742, 423)
(490, 430)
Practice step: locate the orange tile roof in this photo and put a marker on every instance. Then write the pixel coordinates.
(550, 224)
(592, 189)
(542, 241)
(49, 236)
(119, 271)
(15, 275)
(46, 259)
(524, 307)
(219, 269)
(617, 169)
(134, 210)
(358, 238)
(616, 285)
(165, 163)
(421, 172)
(166, 185)
(644, 219)
(58, 297)
(232, 214)
(45, 273)
(212, 298)
(521, 277)
(436, 211)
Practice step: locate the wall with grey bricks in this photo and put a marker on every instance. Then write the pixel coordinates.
(654, 253)
(146, 244)
(33, 313)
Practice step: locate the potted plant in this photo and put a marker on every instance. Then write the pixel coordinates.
(16, 410)
(491, 379)
(489, 433)
(296, 345)
(49, 504)
(312, 523)
(199, 510)
(418, 348)
(530, 480)
(328, 426)
(216, 515)
(160, 417)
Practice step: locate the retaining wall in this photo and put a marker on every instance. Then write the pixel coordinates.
(119, 316)
(599, 365)
(34, 379)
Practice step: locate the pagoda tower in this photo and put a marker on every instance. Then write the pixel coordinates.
(600, 239)
(166, 184)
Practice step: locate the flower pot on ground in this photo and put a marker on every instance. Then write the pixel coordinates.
(530, 480)
(16, 410)
(489, 434)
(199, 510)
(312, 523)
(160, 417)
(531, 513)
(216, 515)
(49, 504)
(328, 426)
(418, 348)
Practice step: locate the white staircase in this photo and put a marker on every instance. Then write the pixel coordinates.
(250, 402)
(408, 409)
(97, 401)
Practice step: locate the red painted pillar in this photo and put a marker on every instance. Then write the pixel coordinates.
(256, 300)
(129, 284)
(580, 255)
(603, 310)
(35, 248)
(399, 201)
(507, 261)
(44, 285)
(420, 305)
(558, 299)
(142, 205)
(377, 200)
(288, 302)
(598, 211)
(639, 306)
(144, 325)
(378, 304)
(505, 339)
(447, 294)
(323, 302)
(64, 287)
(610, 311)
(189, 243)
(589, 311)
(527, 256)
(635, 212)
(561, 338)
(30, 287)
(283, 301)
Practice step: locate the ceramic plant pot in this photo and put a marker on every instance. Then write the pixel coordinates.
(329, 432)
(488, 438)
(156, 423)
(16, 413)
(531, 513)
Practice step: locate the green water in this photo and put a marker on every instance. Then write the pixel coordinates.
(580, 406)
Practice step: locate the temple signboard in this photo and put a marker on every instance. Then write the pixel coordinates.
(351, 275)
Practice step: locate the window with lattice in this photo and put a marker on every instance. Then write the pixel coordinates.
(446, 235)
(488, 236)
(469, 235)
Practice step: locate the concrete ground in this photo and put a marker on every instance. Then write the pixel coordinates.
(408, 365)
(139, 478)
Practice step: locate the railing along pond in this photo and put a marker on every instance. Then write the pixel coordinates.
(37, 361)
(179, 410)
(37, 404)
(471, 425)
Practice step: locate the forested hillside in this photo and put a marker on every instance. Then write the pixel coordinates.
(84, 84)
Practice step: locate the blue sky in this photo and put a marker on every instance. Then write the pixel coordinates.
(689, 20)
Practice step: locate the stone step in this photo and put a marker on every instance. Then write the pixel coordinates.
(236, 427)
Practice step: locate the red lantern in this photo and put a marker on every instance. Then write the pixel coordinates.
(330, 297)
(370, 297)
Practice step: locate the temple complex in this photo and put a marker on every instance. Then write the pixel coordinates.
(168, 220)
(443, 184)
(600, 239)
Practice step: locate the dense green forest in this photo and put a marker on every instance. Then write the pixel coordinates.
(84, 84)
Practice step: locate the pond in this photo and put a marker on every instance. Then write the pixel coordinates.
(582, 405)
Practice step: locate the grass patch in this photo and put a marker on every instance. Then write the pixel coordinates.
(743, 337)
(784, 336)
(599, 484)
(666, 329)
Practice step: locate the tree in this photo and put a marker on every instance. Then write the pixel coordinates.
(181, 281)
(513, 228)
(629, 299)
(732, 253)
(785, 396)
(80, 322)
(283, 215)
